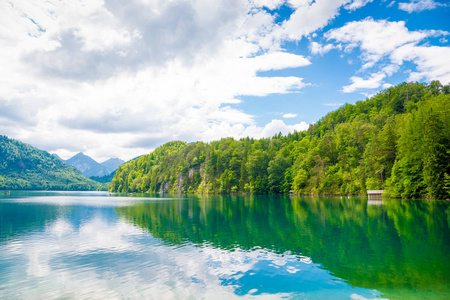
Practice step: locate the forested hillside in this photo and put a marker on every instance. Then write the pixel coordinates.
(397, 140)
(27, 168)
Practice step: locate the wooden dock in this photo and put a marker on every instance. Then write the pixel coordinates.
(375, 194)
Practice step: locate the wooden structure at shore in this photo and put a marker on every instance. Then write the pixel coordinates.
(375, 194)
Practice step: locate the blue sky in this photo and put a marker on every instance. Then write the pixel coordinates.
(117, 79)
(330, 72)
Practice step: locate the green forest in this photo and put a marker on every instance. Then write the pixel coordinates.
(397, 141)
(23, 167)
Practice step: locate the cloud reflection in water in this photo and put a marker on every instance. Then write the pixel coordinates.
(101, 256)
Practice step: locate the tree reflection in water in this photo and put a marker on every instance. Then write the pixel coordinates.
(398, 248)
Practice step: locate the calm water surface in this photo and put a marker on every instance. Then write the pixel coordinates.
(63, 245)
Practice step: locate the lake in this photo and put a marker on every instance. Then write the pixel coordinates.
(91, 245)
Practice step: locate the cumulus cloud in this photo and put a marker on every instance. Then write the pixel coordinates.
(277, 126)
(166, 272)
(433, 62)
(418, 5)
(355, 4)
(114, 80)
(359, 83)
(390, 69)
(317, 48)
(386, 45)
(270, 4)
(277, 61)
(308, 17)
(98, 76)
(376, 38)
(238, 131)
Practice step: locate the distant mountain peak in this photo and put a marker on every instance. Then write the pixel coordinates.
(113, 159)
(87, 165)
(80, 154)
(112, 163)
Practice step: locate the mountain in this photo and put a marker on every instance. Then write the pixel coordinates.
(87, 166)
(397, 141)
(112, 163)
(25, 167)
(91, 168)
(57, 156)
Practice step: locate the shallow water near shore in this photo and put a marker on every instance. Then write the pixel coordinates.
(92, 245)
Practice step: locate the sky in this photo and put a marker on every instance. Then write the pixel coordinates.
(114, 78)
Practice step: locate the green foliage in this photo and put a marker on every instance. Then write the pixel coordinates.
(423, 147)
(397, 140)
(104, 181)
(23, 167)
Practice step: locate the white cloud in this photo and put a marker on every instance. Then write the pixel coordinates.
(166, 272)
(357, 4)
(381, 41)
(115, 80)
(390, 69)
(308, 17)
(391, 4)
(359, 297)
(418, 5)
(373, 82)
(433, 62)
(277, 61)
(320, 49)
(277, 126)
(376, 38)
(270, 4)
(238, 130)
(289, 115)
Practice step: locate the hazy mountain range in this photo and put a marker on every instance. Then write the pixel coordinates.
(89, 167)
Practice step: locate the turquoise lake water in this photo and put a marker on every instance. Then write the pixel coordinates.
(91, 245)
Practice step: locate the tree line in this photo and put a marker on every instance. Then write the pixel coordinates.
(23, 167)
(398, 141)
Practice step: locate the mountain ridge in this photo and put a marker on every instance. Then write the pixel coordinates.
(90, 167)
(25, 167)
(112, 163)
